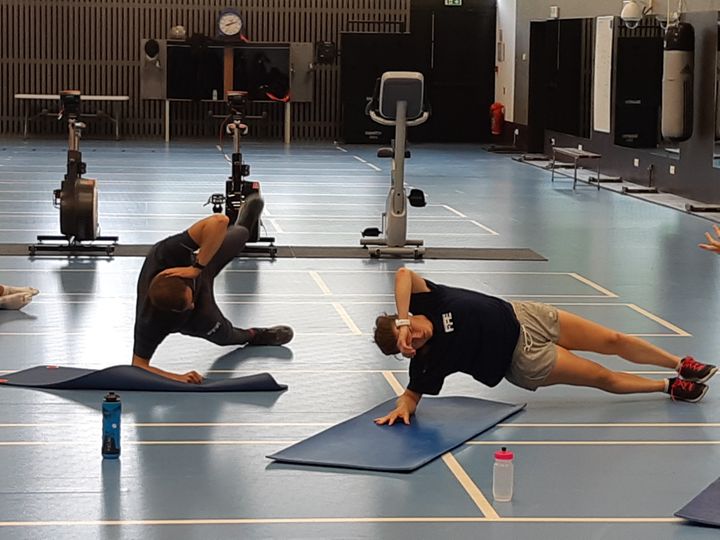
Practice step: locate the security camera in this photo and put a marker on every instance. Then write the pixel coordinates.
(631, 13)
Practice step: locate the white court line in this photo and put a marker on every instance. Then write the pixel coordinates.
(593, 443)
(454, 211)
(662, 322)
(286, 442)
(320, 283)
(182, 424)
(605, 425)
(373, 167)
(488, 229)
(60, 333)
(276, 226)
(592, 284)
(677, 425)
(341, 149)
(313, 233)
(346, 318)
(326, 371)
(460, 475)
(658, 320)
(337, 520)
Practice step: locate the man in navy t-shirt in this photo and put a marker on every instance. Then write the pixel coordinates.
(175, 290)
(445, 330)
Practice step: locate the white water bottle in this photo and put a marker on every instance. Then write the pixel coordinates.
(503, 475)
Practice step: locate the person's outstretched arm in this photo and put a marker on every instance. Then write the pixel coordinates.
(189, 377)
(713, 242)
(208, 234)
(404, 408)
(407, 283)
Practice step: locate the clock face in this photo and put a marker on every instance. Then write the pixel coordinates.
(230, 24)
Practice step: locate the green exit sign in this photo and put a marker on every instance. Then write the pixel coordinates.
(453, 2)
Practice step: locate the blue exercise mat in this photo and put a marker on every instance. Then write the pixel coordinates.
(705, 508)
(439, 425)
(130, 378)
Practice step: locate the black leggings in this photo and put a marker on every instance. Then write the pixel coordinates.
(208, 322)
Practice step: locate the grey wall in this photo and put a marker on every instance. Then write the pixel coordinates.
(50, 45)
(695, 177)
(537, 10)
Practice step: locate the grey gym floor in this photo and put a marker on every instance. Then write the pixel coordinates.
(589, 464)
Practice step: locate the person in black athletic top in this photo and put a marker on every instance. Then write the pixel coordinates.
(175, 290)
(446, 330)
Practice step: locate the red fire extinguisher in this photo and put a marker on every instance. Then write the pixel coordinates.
(497, 118)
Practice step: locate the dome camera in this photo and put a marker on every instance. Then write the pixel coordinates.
(631, 14)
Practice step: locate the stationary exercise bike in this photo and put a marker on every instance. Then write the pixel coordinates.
(397, 101)
(77, 197)
(237, 188)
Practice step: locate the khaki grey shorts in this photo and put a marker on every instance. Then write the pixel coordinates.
(535, 354)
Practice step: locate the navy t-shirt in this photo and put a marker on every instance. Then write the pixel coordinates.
(473, 333)
(152, 325)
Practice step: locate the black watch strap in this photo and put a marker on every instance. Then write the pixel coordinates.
(198, 265)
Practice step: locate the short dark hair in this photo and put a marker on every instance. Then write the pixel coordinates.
(385, 337)
(168, 293)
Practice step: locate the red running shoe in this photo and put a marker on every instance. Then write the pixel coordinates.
(692, 370)
(681, 390)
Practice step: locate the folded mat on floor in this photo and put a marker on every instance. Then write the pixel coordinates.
(705, 508)
(131, 378)
(439, 425)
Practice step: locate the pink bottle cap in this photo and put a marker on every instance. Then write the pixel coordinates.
(504, 454)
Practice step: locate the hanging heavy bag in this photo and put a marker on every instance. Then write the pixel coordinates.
(677, 83)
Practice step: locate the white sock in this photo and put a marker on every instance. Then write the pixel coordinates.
(679, 365)
(667, 386)
(15, 290)
(15, 301)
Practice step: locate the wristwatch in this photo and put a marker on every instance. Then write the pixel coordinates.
(399, 323)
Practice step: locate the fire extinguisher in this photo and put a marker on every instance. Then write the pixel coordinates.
(497, 118)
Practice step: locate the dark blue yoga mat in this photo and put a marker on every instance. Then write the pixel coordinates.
(130, 378)
(439, 425)
(705, 508)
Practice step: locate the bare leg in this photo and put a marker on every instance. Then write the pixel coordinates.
(578, 334)
(2, 290)
(577, 371)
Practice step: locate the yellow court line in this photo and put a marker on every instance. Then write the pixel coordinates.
(346, 319)
(461, 476)
(337, 520)
(592, 284)
(470, 487)
(398, 388)
(320, 283)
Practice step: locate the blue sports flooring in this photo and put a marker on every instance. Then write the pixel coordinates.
(588, 465)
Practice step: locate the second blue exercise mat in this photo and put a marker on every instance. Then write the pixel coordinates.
(131, 378)
(705, 508)
(439, 425)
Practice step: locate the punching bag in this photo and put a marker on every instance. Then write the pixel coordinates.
(677, 83)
